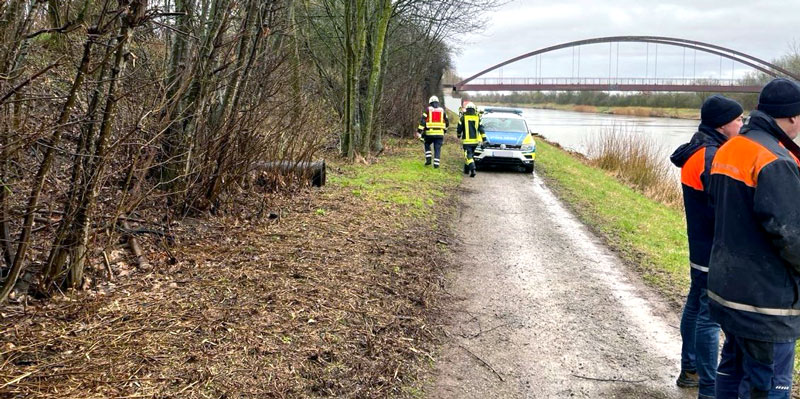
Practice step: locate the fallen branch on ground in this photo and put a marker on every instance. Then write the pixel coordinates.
(484, 362)
(610, 379)
(141, 261)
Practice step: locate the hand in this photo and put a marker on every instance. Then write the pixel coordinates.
(418, 135)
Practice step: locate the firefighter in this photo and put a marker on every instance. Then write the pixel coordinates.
(720, 119)
(470, 131)
(431, 128)
(754, 271)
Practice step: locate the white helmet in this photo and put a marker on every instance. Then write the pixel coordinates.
(433, 99)
(470, 106)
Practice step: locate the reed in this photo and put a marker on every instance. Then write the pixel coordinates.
(585, 108)
(636, 160)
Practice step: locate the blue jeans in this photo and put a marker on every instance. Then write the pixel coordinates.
(700, 335)
(755, 369)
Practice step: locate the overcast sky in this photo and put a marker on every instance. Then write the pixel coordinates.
(765, 29)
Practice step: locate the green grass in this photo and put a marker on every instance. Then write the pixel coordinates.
(399, 179)
(646, 233)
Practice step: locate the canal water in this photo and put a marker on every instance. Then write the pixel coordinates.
(577, 130)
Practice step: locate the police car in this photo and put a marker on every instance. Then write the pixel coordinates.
(510, 142)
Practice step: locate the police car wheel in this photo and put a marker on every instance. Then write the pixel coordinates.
(529, 168)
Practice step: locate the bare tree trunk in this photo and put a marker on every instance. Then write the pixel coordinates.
(375, 74)
(377, 133)
(174, 143)
(347, 138)
(5, 192)
(44, 170)
(250, 31)
(83, 220)
(360, 51)
(297, 79)
(65, 238)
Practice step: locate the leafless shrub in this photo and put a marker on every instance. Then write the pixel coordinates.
(116, 107)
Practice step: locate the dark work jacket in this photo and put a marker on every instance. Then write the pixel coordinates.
(694, 158)
(754, 274)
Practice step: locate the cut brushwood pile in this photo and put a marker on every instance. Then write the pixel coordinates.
(299, 304)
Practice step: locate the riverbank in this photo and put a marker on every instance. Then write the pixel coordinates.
(318, 293)
(655, 112)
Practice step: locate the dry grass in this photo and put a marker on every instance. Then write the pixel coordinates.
(634, 111)
(328, 297)
(678, 113)
(636, 160)
(585, 108)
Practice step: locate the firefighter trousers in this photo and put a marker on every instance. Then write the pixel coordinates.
(437, 149)
(469, 154)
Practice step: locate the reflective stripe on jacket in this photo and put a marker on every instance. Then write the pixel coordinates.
(754, 278)
(470, 130)
(694, 158)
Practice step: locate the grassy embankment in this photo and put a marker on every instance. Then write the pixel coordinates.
(645, 232)
(677, 113)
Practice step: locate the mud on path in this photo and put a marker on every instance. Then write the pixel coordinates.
(541, 309)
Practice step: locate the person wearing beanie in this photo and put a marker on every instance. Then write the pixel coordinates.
(721, 119)
(754, 270)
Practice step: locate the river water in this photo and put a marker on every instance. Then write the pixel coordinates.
(577, 130)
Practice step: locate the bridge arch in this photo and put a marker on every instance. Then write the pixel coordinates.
(743, 58)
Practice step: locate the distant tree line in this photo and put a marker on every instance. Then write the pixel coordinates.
(112, 107)
(790, 62)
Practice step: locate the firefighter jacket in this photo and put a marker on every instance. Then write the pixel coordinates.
(694, 158)
(754, 274)
(470, 129)
(434, 121)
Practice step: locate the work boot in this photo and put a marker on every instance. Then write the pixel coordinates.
(688, 379)
(472, 173)
(436, 166)
(427, 161)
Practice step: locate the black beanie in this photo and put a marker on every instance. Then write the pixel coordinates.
(780, 98)
(718, 110)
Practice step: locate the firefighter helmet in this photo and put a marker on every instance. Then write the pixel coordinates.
(433, 99)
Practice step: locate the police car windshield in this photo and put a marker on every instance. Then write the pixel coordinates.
(504, 124)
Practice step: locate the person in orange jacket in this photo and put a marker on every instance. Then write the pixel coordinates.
(720, 119)
(754, 270)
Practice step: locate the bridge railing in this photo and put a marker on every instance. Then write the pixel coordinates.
(606, 81)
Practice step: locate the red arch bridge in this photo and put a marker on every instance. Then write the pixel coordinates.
(478, 83)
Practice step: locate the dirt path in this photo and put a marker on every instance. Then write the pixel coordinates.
(541, 309)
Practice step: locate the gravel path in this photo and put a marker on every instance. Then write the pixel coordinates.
(541, 309)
